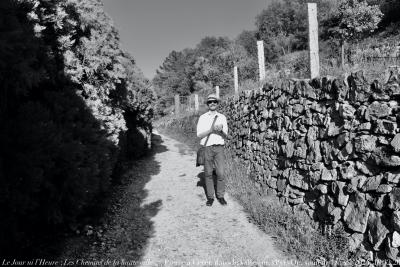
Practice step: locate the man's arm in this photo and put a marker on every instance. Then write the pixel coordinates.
(201, 132)
(207, 132)
(222, 129)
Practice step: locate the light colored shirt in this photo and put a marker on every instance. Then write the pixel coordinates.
(204, 124)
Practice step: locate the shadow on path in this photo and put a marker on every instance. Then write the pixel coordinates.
(123, 229)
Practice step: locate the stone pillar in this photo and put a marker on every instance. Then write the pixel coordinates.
(261, 59)
(196, 103)
(217, 90)
(313, 39)
(236, 80)
(177, 104)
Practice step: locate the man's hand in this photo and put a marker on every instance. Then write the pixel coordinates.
(218, 128)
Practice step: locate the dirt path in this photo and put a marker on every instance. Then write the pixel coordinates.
(162, 220)
(189, 232)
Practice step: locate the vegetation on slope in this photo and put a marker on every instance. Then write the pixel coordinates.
(69, 95)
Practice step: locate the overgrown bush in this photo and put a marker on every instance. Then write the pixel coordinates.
(66, 86)
(183, 127)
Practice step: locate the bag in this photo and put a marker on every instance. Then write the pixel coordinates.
(201, 153)
(201, 156)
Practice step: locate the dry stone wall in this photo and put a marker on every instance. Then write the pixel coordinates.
(330, 147)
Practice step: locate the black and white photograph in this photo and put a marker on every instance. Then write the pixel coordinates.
(204, 133)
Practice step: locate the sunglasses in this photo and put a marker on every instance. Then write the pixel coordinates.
(212, 102)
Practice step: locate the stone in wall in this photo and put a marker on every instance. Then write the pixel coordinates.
(339, 193)
(318, 119)
(342, 139)
(328, 175)
(365, 143)
(310, 92)
(281, 185)
(328, 151)
(355, 241)
(395, 220)
(377, 230)
(294, 192)
(322, 188)
(364, 127)
(272, 182)
(393, 178)
(377, 110)
(296, 201)
(382, 157)
(358, 181)
(395, 143)
(346, 152)
(347, 111)
(394, 199)
(356, 213)
(384, 189)
(359, 89)
(302, 166)
(289, 149)
(372, 183)
(334, 129)
(301, 150)
(338, 88)
(391, 252)
(380, 202)
(365, 168)
(298, 180)
(314, 153)
(347, 170)
(298, 109)
(312, 135)
(315, 176)
(395, 239)
(384, 126)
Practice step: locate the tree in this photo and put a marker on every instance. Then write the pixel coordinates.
(198, 69)
(206, 66)
(353, 19)
(248, 40)
(66, 86)
(390, 10)
(283, 27)
(174, 75)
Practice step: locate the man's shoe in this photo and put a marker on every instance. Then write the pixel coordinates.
(210, 201)
(222, 201)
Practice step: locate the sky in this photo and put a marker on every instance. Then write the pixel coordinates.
(151, 29)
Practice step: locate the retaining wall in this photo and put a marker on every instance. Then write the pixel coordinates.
(330, 147)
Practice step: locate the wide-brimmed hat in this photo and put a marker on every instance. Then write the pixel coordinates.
(212, 97)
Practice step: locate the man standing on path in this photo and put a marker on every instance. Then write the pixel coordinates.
(214, 150)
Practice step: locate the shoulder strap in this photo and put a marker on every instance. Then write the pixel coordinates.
(208, 136)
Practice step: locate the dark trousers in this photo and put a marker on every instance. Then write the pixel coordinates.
(214, 156)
